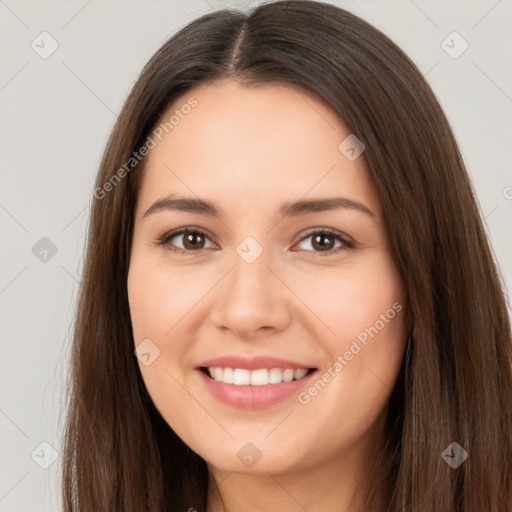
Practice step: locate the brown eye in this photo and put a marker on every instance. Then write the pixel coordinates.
(326, 242)
(193, 240)
(323, 242)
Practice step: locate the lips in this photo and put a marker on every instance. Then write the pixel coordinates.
(253, 363)
(253, 383)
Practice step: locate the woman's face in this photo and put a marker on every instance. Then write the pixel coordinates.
(264, 286)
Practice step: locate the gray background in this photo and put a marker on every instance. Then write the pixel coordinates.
(56, 114)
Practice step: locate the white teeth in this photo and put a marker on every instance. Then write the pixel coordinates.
(260, 377)
(298, 374)
(288, 375)
(241, 377)
(275, 376)
(227, 376)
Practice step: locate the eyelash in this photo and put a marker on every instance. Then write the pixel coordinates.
(347, 243)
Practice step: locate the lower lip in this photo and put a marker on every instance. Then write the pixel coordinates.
(254, 397)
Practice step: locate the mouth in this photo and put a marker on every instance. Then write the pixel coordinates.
(258, 388)
(257, 377)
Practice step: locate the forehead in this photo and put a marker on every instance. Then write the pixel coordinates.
(252, 142)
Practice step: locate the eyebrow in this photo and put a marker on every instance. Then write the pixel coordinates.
(287, 209)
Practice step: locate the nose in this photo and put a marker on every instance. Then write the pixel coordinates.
(251, 301)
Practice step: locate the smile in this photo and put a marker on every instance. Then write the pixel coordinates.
(253, 383)
(258, 377)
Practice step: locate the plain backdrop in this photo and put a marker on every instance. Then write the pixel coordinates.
(56, 112)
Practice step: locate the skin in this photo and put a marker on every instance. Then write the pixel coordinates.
(248, 149)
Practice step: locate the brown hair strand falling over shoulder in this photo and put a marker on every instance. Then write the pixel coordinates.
(455, 383)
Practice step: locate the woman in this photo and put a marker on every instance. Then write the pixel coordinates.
(288, 300)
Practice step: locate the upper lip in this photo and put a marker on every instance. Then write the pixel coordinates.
(252, 363)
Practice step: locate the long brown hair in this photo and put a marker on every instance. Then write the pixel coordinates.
(455, 384)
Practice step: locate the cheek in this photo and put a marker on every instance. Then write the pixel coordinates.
(362, 329)
(159, 302)
(367, 313)
(159, 299)
(347, 300)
